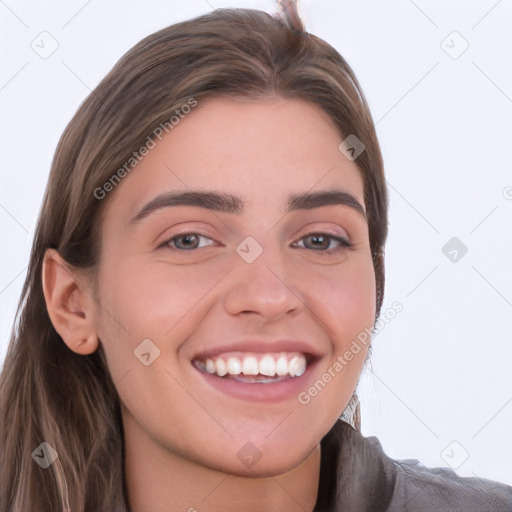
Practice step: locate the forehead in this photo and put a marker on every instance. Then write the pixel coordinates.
(259, 150)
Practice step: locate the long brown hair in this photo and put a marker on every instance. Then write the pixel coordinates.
(50, 394)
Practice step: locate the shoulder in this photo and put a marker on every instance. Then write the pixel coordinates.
(422, 488)
(368, 480)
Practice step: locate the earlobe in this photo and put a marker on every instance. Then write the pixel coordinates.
(70, 305)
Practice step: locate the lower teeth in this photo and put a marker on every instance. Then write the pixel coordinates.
(256, 379)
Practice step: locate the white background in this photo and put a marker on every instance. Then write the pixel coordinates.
(441, 369)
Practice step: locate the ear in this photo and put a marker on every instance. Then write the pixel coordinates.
(70, 305)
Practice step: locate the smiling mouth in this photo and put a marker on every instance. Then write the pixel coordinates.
(255, 368)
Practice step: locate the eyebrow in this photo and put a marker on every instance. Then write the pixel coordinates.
(228, 203)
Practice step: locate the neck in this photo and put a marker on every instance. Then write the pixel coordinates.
(159, 480)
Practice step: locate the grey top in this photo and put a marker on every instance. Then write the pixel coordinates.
(357, 476)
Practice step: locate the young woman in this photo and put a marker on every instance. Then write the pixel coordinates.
(207, 262)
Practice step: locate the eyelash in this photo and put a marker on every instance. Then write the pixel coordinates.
(343, 242)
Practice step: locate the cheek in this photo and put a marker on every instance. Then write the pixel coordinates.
(153, 302)
(141, 301)
(345, 299)
(150, 300)
(344, 302)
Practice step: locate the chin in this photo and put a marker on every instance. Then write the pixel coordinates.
(259, 458)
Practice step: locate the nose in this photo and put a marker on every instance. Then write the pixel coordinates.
(263, 288)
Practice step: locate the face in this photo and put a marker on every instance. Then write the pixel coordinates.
(218, 323)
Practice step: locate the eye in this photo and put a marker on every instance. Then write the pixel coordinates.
(185, 241)
(323, 242)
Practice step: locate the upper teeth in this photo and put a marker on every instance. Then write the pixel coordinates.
(270, 365)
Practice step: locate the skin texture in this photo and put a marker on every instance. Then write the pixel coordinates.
(181, 435)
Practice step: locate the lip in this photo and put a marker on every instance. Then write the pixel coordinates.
(258, 392)
(261, 346)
